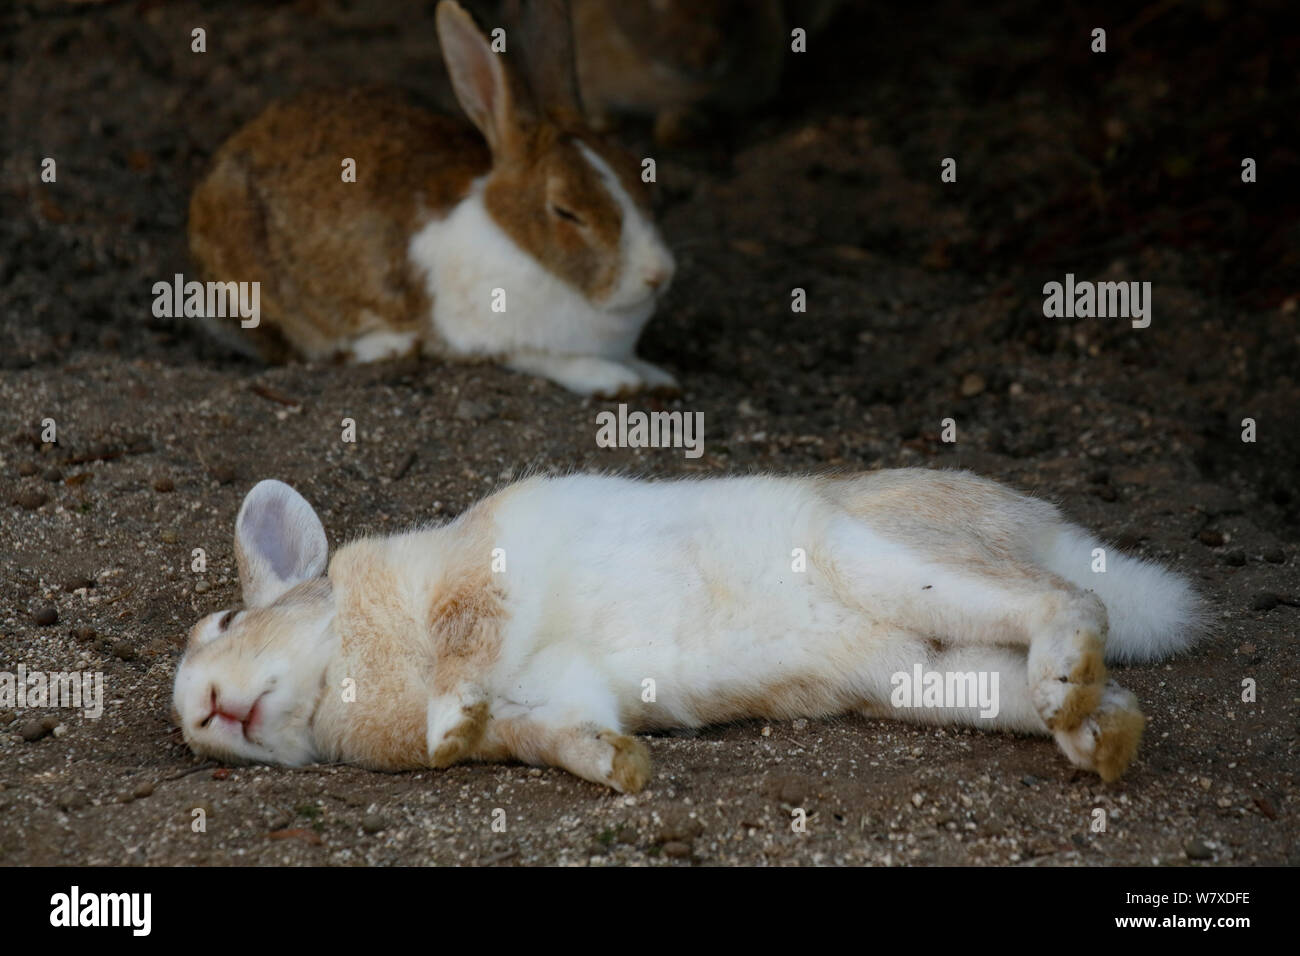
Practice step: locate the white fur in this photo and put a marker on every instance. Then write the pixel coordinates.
(466, 255)
(1153, 612)
(548, 327)
(381, 345)
(284, 681)
(642, 254)
(693, 584)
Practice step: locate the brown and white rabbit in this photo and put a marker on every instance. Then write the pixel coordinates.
(558, 617)
(530, 242)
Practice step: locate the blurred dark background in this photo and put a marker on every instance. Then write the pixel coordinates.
(1121, 165)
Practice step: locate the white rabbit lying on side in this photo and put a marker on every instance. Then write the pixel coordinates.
(526, 627)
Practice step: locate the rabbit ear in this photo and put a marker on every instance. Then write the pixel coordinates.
(279, 542)
(479, 76)
(548, 55)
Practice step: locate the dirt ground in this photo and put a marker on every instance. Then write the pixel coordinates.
(924, 303)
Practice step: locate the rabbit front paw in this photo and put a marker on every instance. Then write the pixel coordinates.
(653, 378)
(456, 723)
(593, 375)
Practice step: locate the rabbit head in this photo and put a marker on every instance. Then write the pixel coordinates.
(251, 679)
(571, 198)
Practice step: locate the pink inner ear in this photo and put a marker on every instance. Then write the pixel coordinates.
(266, 532)
(473, 70)
(485, 87)
(280, 540)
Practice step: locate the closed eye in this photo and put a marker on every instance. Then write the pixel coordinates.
(568, 215)
(225, 620)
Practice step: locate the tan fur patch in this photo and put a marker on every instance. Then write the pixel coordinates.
(384, 645)
(466, 615)
(1088, 679)
(631, 765)
(460, 742)
(923, 506)
(1081, 701)
(1090, 669)
(780, 700)
(1117, 744)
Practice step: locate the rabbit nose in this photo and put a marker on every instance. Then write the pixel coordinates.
(219, 708)
(657, 278)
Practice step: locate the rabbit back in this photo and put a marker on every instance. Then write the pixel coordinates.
(330, 254)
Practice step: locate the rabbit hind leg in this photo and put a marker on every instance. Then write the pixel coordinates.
(587, 750)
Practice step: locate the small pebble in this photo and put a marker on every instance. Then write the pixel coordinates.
(677, 850)
(26, 469)
(201, 586)
(1265, 602)
(1198, 850)
(679, 827)
(1211, 538)
(30, 500)
(469, 410)
(142, 790)
(791, 790)
(1275, 556)
(164, 485)
(45, 616)
(33, 730)
(1235, 558)
(53, 474)
(372, 823)
(972, 385)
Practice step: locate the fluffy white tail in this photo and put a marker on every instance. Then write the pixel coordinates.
(1154, 613)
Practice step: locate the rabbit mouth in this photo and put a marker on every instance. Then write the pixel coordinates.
(247, 721)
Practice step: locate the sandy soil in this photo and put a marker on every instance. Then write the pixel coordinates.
(924, 304)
